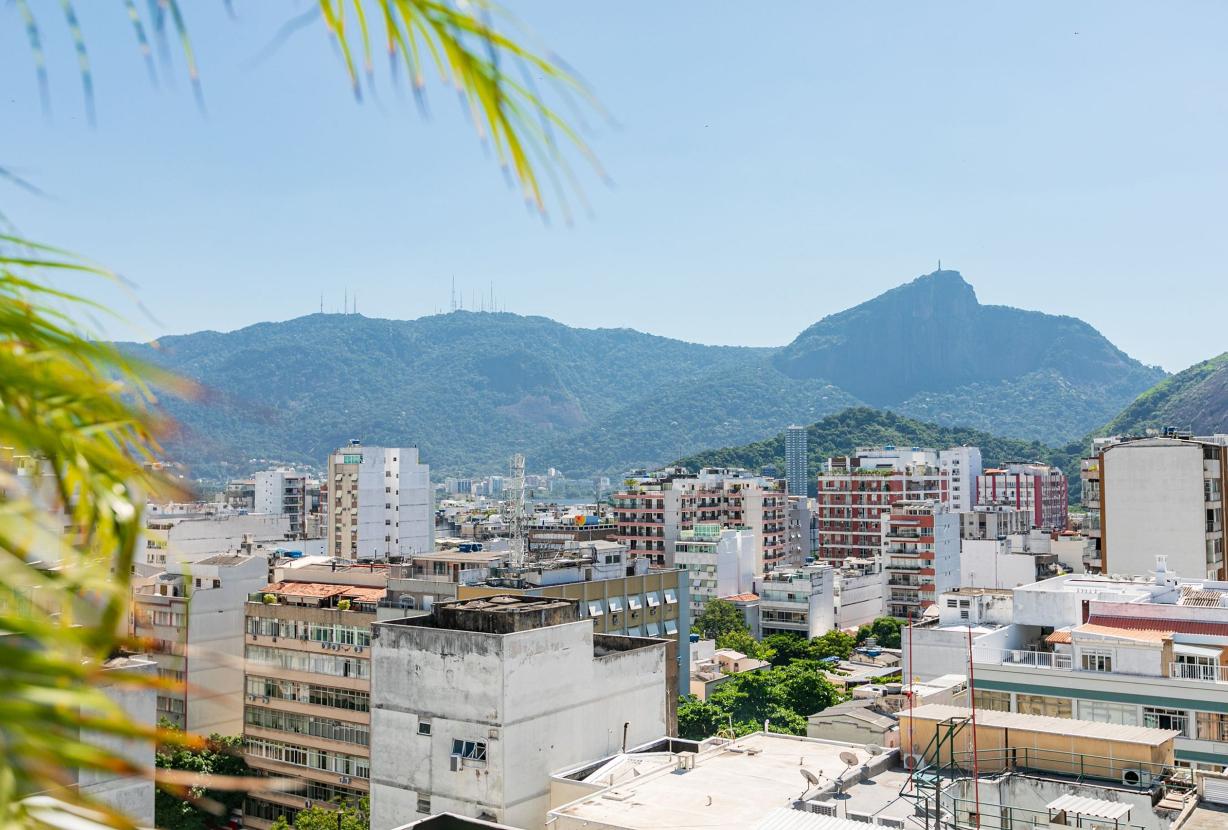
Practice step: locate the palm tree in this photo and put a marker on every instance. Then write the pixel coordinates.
(78, 432)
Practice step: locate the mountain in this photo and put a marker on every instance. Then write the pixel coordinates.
(472, 388)
(929, 349)
(861, 426)
(1196, 399)
(469, 389)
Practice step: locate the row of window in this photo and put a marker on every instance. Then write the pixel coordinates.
(174, 705)
(331, 730)
(349, 635)
(299, 756)
(159, 617)
(334, 665)
(354, 701)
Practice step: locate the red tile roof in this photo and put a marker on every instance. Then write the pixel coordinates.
(1145, 624)
(742, 598)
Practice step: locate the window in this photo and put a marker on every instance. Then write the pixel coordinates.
(424, 804)
(1158, 718)
(424, 727)
(1096, 660)
(1212, 726)
(595, 608)
(993, 701)
(1102, 712)
(474, 751)
(616, 605)
(1054, 707)
(671, 596)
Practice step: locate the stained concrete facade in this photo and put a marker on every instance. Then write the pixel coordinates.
(473, 707)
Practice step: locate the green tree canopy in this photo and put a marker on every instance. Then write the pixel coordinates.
(719, 617)
(342, 817)
(784, 695)
(885, 630)
(219, 755)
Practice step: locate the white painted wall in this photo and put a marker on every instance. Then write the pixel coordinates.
(989, 563)
(132, 795)
(395, 504)
(736, 557)
(859, 597)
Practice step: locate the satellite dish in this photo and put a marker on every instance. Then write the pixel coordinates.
(849, 758)
(874, 749)
(811, 778)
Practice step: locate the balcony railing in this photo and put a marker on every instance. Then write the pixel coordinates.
(1191, 671)
(1022, 657)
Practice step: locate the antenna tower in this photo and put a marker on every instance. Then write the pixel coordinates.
(514, 507)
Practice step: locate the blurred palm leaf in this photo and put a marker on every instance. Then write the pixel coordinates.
(499, 77)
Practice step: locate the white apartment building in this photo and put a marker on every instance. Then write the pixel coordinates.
(859, 588)
(719, 562)
(193, 616)
(282, 492)
(1008, 562)
(1144, 652)
(797, 600)
(380, 503)
(474, 706)
(183, 534)
(1154, 494)
(920, 555)
(962, 466)
(993, 521)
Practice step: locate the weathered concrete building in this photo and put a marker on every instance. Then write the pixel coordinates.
(474, 706)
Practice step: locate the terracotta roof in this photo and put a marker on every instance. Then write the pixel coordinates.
(325, 589)
(1058, 637)
(1139, 634)
(742, 598)
(1175, 626)
(365, 594)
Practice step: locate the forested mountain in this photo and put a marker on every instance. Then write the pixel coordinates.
(1196, 399)
(471, 388)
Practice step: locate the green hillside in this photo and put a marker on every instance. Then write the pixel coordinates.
(1196, 399)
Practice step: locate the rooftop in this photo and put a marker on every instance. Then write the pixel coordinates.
(325, 590)
(225, 559)
(734, 785)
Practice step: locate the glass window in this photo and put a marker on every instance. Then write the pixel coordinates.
(595, 608)
(1212, 726)
(1096, 660)
(1104, 712)
(1054, 707)
(653, 599)
(616, 605)
(469, 750)
(1159, 718)
(634, 603)
(671, 596)
(993, 701)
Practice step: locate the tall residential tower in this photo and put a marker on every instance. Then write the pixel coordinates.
(795, 460)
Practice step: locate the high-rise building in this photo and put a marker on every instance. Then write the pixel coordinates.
(719, 562)
(1152, 495)
(962, 466)
(920, 555)
(380, 503)
(796, 460)
(475, 706)
(1038, 488)
(854, 492)
(198, 605)
(652, 515)
(796, 600)
(307, 694)
(282, 492)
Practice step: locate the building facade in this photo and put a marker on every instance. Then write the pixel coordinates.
(1040, 489)
(198, 605)
(474, 706)
(797, 600)
(920, 555)
(796, 461)
(1147, 495)
(719, 562)
(380, 503)
(307, 695)
(962, 466)
(282, 492)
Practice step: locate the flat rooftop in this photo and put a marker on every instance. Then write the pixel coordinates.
(734, 786)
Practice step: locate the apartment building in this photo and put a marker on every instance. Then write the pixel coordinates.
(796, 461)
(474, 706)
(652, 514)
(993, 521)
(860, 593)
(1008, 562)
(800, 543)
(198, 606)
(187, 533)
(380, 503)
(1040, 489)
(920, 555)
(307, 694)
(282, 492)
(1162, 493)
(1137, 652)
(719, 562)
(961, 465)
(855, 491)
(796, 600)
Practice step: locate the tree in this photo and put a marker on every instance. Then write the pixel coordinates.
(885, 630)
(787, 647)
(218, 755)
(342, 817)
(719, 617)
(699, 719)
(75, 411)
(785, 696)
(741, 641)
(834, 643)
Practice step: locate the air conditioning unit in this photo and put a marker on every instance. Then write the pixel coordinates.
(454, 762)
(864, 818)
(1136, 777)
(823, 809)
(893, 823)
(358, 649)
(345, 779)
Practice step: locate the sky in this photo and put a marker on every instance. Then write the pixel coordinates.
(768, 164)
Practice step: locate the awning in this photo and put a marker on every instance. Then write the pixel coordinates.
(633, 603)
(671, 596)
(671, 627)
(653, 630)
(653, 599)
(595, 608)
(1196, 651)
(616, 604)
(1094, 807)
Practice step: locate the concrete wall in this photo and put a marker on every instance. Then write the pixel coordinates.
(539, 699)
(860, 599)
(989, 564)
(134, 796)
(1153, 503)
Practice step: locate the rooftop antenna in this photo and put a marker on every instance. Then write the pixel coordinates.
(940, 263)
(454, 292)
(321, 302)
(345, 301)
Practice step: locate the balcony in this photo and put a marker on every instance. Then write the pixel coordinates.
(1022, 657)
(1204, 674)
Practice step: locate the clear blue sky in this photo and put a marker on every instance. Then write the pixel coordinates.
(772, 163)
